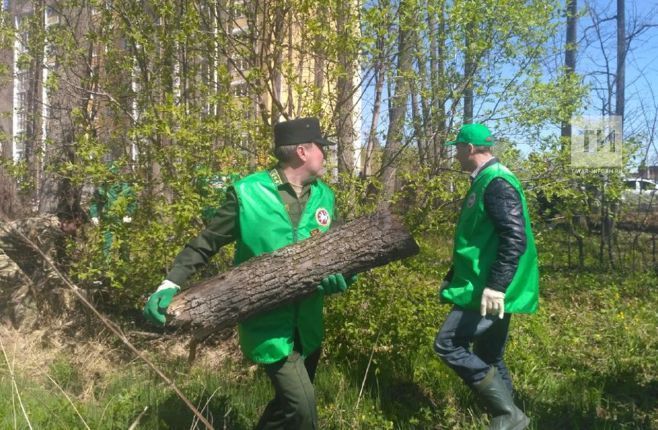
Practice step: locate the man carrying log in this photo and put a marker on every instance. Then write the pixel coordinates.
(493, 274)
(263, 212)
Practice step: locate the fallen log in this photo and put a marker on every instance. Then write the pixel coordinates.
(29, 288)
(291, 273)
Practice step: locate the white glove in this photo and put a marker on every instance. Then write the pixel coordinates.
(127, 219)
(95, 220)
(493, 302)
(166, 284)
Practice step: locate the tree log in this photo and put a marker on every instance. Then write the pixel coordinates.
(292, 272)
(27, 282)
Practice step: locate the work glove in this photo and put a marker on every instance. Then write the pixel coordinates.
(127, 219)
(155, 309)
(493, 302)
(95, 220)
(335, 284)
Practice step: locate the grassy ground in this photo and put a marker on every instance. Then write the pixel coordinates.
(587, 360)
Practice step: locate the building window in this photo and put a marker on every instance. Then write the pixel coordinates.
(239, 89)
(21, 86)
(240, 63)
(52, 16)
(238, 10)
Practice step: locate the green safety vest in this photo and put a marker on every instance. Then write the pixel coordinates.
(476, 246)
(265, 226)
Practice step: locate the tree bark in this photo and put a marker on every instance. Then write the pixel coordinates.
(29, 288)
(380, 75)
(344, 115)
(570, 56)
(291, 273)
(437, 38)
(469, 75)
(398, 103)
(620, 83)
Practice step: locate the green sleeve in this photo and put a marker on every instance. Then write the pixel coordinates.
(93, 209)
(97, 202)
(128, 192)
(222, 230)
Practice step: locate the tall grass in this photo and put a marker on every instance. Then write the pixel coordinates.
(587, 360)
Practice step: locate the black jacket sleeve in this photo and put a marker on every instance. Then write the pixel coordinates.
(448, 276)
(503, 206)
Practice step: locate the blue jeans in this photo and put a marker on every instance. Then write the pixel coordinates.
(488, 335)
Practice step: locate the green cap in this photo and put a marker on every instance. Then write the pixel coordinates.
(475, 134)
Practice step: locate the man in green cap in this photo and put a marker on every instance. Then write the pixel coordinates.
(263, 212)
(493, 275)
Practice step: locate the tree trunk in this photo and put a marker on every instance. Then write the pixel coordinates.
(379, 71)
(399, 101)
(29, 288)
(344, 115)
(437, 40)
(621, 59)
(291, 273)
(320, 53)
(469, 75)
(570, 56)
(570, 70)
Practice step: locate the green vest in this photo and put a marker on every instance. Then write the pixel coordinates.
(476, 246)
(265, 227)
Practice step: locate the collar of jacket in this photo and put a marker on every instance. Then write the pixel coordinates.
(481, 167)
(279, 178)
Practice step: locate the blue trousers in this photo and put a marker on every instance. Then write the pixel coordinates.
(470, 344)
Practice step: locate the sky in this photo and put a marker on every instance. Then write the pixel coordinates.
(641, 68)
(641, 74)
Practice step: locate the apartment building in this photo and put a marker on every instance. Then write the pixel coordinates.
(36, 116)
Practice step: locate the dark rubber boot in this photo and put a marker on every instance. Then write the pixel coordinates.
(498, 400)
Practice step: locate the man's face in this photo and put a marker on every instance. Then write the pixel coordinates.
(70, 226)
(464, 154)
(313, 157)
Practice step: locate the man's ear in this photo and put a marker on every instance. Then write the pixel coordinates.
(301, 152)
(471, 149)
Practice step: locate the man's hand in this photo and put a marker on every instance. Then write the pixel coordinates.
(155, 310)
(127, 219)
(335, 283)
(95, 220)
(493, 302)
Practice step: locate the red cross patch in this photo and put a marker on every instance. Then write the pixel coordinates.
(322, 217)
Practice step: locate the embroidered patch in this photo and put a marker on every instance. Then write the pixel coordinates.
(471, 200)
(276, 178)
(322, 217)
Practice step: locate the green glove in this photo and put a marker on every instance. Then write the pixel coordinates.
(335, 283)
(155, 309)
